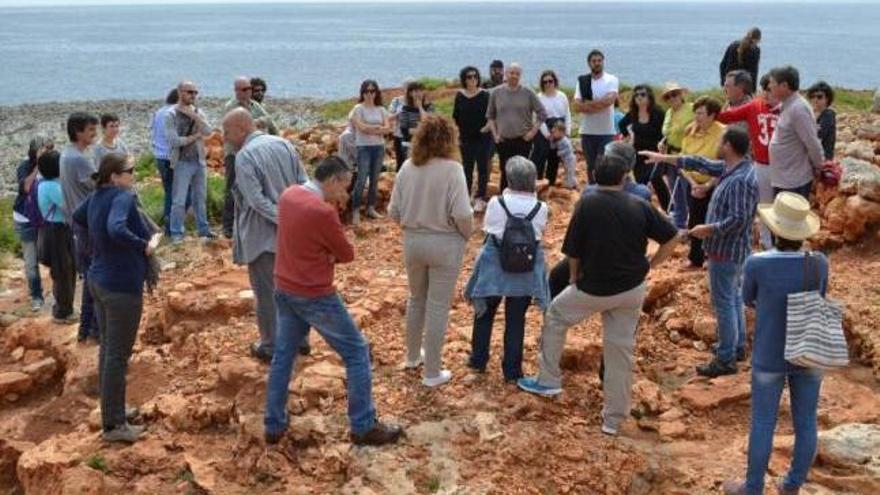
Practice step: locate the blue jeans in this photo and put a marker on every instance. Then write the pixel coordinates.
(369, 161)
(804, 385)
(166, 173)
(594, 147)
(725, 280)
(186, 175)
(678, 203)
(329, 318)
(27, 236)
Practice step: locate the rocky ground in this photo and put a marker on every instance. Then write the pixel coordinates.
(201, 396)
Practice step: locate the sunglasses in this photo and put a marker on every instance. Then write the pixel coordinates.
(548, 81)
(128, 171)
(640, 94)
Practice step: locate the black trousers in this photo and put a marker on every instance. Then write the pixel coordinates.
(507, 149)
(56, 251)
(514, 332)
(545, 159)
(697, 209)
(654, 175)
(228, 198)
(476, 151)
(399, 152)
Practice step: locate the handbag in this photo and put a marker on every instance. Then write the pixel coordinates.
(814, 326)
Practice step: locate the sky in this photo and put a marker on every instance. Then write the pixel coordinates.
(37, 3)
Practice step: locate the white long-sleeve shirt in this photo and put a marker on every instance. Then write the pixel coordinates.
(556, 106)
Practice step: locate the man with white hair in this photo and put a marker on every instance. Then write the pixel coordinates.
(515, 116)
(243, 99)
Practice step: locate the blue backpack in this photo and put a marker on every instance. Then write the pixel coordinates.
(32, 207)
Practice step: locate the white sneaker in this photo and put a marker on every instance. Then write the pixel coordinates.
(609, 430)
(479, 205)
(356, 218)
(443, 377)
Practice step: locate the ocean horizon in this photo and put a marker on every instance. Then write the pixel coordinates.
(325, 50)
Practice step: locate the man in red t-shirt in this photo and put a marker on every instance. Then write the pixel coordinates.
(761, 115)
(311, 240)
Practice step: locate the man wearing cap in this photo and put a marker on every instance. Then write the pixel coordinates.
(727, 240)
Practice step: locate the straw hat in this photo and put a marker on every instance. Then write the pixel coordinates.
(789, 217)
(673, 86)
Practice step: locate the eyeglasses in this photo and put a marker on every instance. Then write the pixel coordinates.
(548, 81)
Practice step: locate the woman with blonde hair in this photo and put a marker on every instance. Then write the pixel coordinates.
(430, 201)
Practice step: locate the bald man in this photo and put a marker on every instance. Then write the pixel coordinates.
(185, 130)
(242, 99)
(264, 167)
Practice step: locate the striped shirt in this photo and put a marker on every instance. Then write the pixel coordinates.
(731, 209)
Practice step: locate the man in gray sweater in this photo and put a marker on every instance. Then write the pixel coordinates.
(264, 167)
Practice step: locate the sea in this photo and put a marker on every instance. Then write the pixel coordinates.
(324, 50)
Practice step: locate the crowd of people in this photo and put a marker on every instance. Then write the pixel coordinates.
(697, 171)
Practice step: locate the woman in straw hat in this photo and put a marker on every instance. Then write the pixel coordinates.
(770, 277)
(678, 117)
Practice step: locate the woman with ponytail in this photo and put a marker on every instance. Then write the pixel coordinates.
(742, 54)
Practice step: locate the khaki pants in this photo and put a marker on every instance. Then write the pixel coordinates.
(620, 317)
(432, 265)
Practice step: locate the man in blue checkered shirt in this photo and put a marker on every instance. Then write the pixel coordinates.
(727, 240)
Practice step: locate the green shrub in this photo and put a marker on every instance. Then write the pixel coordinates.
(98, 463)
(145, 166)
(8, 240)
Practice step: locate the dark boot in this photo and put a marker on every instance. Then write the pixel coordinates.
(717, 368)
(381, 434)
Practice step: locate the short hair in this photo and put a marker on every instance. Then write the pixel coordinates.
(788, 75)
(49, 164)
(173, 97)
(765, 82)
(521, 174)
(594, 52)
(742, 79)
(558, 124)
(111, 163)
(496, 64)
(738, 139)
(462, 75)
(435, 137)
(77, 122)
(331, 167)
(107, 118)
(624, 151)
(257, 81)
(712, 106)
(783, 244)
(36, 143)
(367, 84)
(822, 87)
(610, 170)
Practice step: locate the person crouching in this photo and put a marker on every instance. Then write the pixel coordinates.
(509, 217)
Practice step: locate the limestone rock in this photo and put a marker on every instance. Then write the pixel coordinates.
(863, 150)
(191, 414)
(705, 329)
(319, 381)
(581, 354)
(82, 480)
(701, 395)
(42, 371)
(647, 398)
(854, 446)
(236, 372)
(870, 132)
(41, 469)
(10, 452)
(15, 382)
(858, 175)
(860, 213)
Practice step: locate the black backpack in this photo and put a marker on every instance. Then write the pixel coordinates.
(518, 244)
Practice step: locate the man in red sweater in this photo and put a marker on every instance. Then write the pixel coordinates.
(311, 241)
(761, 115)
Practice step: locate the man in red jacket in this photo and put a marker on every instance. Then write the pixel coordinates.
(760, 114)
(311, 240)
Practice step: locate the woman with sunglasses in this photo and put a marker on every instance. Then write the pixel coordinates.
(120, 242)
(643, 127)
(474, 140)
(679, 116)
(371, 123)
(821, 97)
(556, 105)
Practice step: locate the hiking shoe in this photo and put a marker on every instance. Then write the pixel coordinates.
(380, 434)
(37, 305)
(609, 430)
(372, 213)
(66, 320)
(781, 490)
(261, 353)
(176, 240)
(734, 487)
(740, 353)
(530, 384)
(717, 368)
(123, 433)
(273, 438)
(208, 236)
(436, 381)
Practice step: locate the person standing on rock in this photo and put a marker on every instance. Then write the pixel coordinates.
(555, 103)
(415, 105)
(496, 75)
(770, 277)
(110, 141)
(742, 54)
(311, 240)
(119, 238)
(56, 238)
(76, 169)
(258, 90)
(738, 90)
(490, 282)
(594, 99)
(430, 202)
(760, 115)
(264, 167)
(679, 116)
(796, 154)
(606, 244)
(821, 97)
(643, 127)
(727, 241)
(243, 92)
(515, 116)
(27, 228)
(185, 130)
(371, 123)
(162, 153)
(475, 142)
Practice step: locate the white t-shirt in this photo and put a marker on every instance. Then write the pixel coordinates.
(371, 116)
(556, 106)
(519, 204)
(599, 123)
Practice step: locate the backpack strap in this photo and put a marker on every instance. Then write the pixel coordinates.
(534, 211)
(504, 205)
